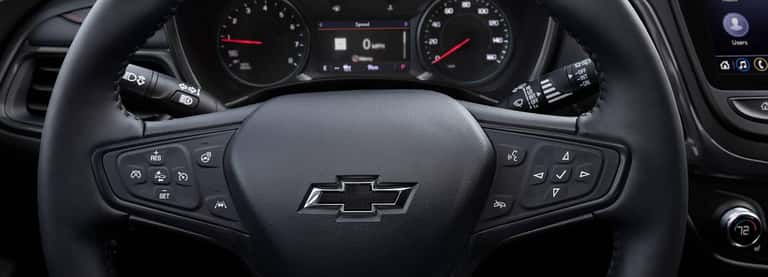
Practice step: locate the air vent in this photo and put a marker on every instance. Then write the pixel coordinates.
(35, 76)
(46, 69)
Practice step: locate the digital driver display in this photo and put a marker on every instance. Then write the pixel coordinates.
(362, 46)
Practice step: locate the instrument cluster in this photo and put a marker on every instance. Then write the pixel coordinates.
(258, 44)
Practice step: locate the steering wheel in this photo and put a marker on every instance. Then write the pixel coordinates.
(409, 182)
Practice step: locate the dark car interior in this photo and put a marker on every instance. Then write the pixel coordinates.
(383, 137)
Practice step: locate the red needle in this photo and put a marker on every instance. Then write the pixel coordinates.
(242, 41)
(451, 51)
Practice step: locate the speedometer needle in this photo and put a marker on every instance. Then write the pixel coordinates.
(451, 51)
(242, 41)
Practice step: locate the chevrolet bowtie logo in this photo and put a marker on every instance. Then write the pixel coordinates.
(358, 198)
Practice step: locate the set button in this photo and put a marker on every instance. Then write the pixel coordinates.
(164, 194)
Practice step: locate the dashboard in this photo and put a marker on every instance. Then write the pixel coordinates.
(714, 50)
(245, 47)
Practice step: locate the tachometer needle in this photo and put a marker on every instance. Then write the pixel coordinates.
(451, 51)
(242, 41)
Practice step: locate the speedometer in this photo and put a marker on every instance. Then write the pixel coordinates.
(465, 40)
(262, 42)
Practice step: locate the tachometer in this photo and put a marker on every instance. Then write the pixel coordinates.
(465, 40)
(262, 42)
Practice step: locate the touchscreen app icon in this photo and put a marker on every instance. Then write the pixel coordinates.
(742, 64)
(736, 25)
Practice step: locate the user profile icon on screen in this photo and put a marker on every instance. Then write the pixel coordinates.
(736, 25)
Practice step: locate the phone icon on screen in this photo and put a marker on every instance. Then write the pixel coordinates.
(761, 64)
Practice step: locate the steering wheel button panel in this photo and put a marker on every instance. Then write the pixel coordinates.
(191, 174)
(556, 174)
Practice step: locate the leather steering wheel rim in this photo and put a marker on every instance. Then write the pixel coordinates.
(636, 109)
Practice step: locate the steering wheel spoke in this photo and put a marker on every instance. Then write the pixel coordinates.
(173, 177)
(545, 175)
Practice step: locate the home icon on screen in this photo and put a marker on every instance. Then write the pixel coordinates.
(725, 66)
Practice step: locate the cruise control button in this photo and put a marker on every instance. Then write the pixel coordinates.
(209, 157)
(159, 175)
(538, 175)
(221, 206)
(511, 155)
(498, 205)
(561, 174)
(136, 175)
(181, 176)
(156, 157)
(163, 194)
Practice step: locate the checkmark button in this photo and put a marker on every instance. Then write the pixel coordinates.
(561, 174)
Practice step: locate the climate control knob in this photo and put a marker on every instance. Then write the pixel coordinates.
(742, 227)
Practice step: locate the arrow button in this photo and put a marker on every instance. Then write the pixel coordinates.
(556, 194)
(565, 157)
(586, 174)
(538, 175)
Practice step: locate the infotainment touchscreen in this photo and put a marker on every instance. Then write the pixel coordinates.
(731, 39)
